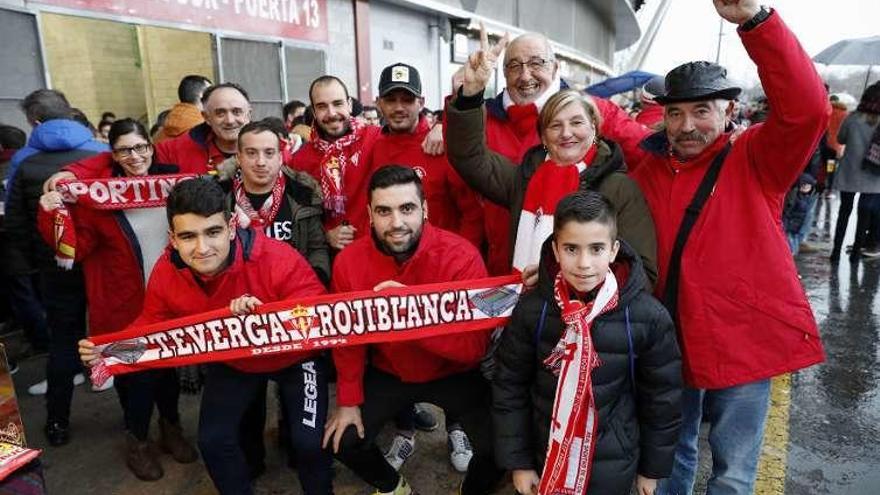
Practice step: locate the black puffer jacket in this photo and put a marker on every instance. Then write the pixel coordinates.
(630, 439)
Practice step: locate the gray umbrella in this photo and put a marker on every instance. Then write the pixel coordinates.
(857, 51)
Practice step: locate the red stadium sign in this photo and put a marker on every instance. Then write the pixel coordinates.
(297, 19)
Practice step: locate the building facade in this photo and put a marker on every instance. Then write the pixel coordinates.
(127, 56)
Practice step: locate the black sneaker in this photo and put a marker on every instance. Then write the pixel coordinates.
(12, 364)
(57, 432)
(424, 420)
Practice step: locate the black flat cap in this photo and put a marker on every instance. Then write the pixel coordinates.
(696, 81)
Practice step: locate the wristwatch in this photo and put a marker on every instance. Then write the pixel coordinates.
(758, 18)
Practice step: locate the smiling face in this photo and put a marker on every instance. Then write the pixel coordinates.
(332, 108)
(401, 110)
(692, 126)
(397, 216)
(260, 161)
(529, 68)
(227, 111)
(584, 251)
(133, 153)
(569, 134)
(203, 243)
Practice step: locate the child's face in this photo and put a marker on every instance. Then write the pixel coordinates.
(584, 251)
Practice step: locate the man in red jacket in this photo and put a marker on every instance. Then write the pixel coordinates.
(452, 205)
(337, 156)
(742, 314)
(210, 266)
(404, 249)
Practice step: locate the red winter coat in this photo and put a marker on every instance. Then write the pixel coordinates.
(265, 268)
(193, 152)
(110, 254)
(743, 313)
(452, 204)
(308, 159)
(503, 138)
(440, 257)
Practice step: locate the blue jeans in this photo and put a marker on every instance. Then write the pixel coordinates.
(229, 392)
(736, 417)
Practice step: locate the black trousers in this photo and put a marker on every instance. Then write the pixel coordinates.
(138, 392)
(64, 295)
(467, 396)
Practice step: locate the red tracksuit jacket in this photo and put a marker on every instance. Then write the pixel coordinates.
(265, 268)
(440, 257)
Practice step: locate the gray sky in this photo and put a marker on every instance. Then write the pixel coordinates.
(690, 32)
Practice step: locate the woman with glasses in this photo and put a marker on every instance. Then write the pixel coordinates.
(572, 156)
(117, 250)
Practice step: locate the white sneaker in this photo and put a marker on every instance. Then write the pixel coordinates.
(460, 452)
(400, 450)
(106, 386)
(42, 387)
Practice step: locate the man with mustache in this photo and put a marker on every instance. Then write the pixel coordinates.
(226, 108)
(726, 274)
(404, 249)
(337, 156)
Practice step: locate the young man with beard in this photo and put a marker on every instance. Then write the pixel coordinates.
(453, 205)
(337, 156)
(211, 265)
(404, 249)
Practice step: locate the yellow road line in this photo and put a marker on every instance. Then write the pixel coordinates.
(774, 453)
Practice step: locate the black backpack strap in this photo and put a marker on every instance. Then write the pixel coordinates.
(691, 214)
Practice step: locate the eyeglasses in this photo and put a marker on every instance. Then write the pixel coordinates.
(534, 65)
(140, 149)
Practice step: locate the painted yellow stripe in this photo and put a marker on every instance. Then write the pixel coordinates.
(774, 453)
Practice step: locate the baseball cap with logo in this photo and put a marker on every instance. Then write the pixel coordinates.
(400, 76)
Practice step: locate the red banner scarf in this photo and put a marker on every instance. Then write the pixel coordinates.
(550, 184)
(320, 322)
(115, 193)
(572, 442)
(246, 215)
(335, 159)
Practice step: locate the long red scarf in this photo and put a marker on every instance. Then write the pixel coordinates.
(550, 184)
(320, 322)
(336, 156)
(572, 442)
(246, 215)
(116, 193)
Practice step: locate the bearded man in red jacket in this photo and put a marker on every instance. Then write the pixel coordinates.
(211, 266)
(731, 284)
(404, 249)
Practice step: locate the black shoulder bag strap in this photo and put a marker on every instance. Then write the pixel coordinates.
(691, 214)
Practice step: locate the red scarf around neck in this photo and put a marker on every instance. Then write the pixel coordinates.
(572, 443)
(335, 158)
(246, 215)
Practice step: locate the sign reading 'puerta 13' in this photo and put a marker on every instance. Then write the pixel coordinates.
(297, 19)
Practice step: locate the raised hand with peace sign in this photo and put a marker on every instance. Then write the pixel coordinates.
(481, 64)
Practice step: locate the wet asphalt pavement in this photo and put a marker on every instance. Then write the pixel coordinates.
(828, 439)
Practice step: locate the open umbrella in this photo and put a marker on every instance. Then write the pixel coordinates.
(857, 51)
(620, 84)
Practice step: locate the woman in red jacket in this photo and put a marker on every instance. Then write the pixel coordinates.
(117, 250)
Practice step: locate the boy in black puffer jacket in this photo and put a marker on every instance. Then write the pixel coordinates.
(588, 351)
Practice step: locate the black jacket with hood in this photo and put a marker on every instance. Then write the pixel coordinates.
(637, 386)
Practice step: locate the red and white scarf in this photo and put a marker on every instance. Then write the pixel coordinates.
(550, 184)
(246, 215)
(116, 193)
(572, 442)
(336, 155)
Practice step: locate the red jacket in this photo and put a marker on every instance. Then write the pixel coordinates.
(743, 313)
(651, 114)
(502, 138)
(110, 253)
(452, 204)
(355, 181)
(440, 257)
(265, 268)
(193, 152)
